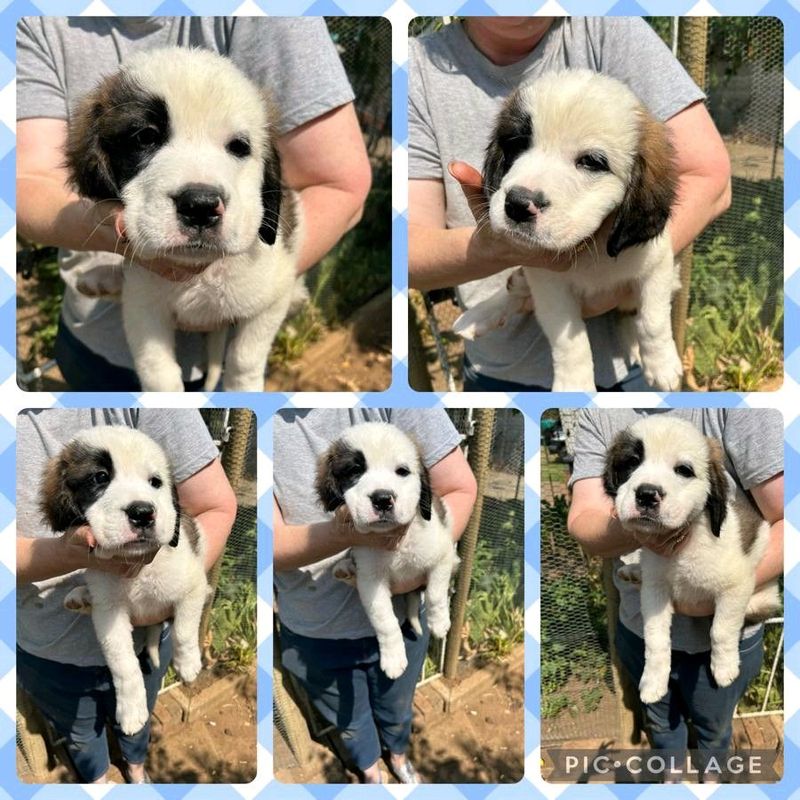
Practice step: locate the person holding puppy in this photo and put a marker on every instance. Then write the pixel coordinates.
(326, 639)
(458, 78)
(752, 441)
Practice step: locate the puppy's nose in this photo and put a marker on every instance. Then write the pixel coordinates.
(648, 495)
(382, 500)
(523, 205)
(141, 515)
(199, 205)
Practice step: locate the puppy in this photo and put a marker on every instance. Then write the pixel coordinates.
(669, 484)
(577, 165)
(118, 481)
(187, 144)
(377, 472)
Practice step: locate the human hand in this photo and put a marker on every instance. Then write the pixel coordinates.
(664, 544)
(345, 530)
(80, 543)
(488, 246)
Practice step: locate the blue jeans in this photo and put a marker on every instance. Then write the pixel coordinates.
(86, 371)
(476, 382)
(79, 701)
(692, 694)
(344, 682)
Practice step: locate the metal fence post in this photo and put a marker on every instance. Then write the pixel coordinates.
(480, 450)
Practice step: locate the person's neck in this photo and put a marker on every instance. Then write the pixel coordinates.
(503, 50)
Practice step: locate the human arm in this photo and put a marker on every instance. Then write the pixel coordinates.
(326, 162)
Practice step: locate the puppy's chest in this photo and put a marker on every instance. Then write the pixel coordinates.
(421, 548)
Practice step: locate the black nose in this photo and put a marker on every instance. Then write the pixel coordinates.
(199, 205)
(141, 515)
(522, 204)
(382, 500)
(648, 495)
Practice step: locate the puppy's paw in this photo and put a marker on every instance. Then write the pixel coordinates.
(165, 378)
(345, 570)
(653, 687)
(724, 669)
(438, 623)
(132, 713)
(188, 667)
(393, 662)
(663, 370)
(475, 323)
(630, 573)
(580, 381)
(79, 599)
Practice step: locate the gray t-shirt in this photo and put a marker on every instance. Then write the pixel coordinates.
(752, 441)
(44, 627)
(60, 59)
(311, 601)
(454, 95)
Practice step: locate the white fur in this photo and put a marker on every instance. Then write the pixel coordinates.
(706, 569)
(576, 111)
(425, 551)
(175, 579)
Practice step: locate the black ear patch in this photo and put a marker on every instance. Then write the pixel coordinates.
(648, 200)
(271, 195)
(176, 534)
(512, 136)
(57, 503)
(623, 457)
(338, 469)
(717, 502)
(425, 494)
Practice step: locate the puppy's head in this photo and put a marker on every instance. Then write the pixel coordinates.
(663, 473)
(118, 481)
(569, 151)
(186, 142)
(377, 471)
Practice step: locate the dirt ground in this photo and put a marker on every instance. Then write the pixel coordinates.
(480, 740)
(354, 357)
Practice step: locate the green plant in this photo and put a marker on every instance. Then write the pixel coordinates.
(233, 625)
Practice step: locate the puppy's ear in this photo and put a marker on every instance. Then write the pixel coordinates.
(646, 205)
(717, 501)
(623, 457)
(87, 162)
(511, 136)
(56, 501)
(176, 503)
(425, 495)
(271, 195)
(327, 486)
(493, 168)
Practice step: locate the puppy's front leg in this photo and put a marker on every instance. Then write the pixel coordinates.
(729, 613)
(114, 632)
(376, 597)
(437, 596)
(150, 333)
(558, 312)
(661, 363)
(186, 630)
(248, 350)
(657, 613)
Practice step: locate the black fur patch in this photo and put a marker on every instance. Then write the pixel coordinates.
(623, 457)
(338, 470)
(717, 501)
(116, 131)
(750, 521)
(176, 534)
(512, 136)
(271, 196)
(425, 494)
(72, 482)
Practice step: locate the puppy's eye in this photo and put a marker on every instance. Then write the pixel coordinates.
(593, 162)
(239, 147)
(684, 470)
(156, 482)
(147, 137)
(403, 472)
(101, 477)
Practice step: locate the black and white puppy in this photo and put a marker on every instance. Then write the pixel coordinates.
(118, 481)
(576, 165)
(187, 143)
(377, 472)
(668, 483)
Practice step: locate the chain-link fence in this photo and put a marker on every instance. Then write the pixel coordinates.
(582, 696)
(728, 316)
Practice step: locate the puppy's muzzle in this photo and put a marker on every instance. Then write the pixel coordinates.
(649, 496)
(382, 501)
(141, 516)
(199, 206)
(523, 205)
